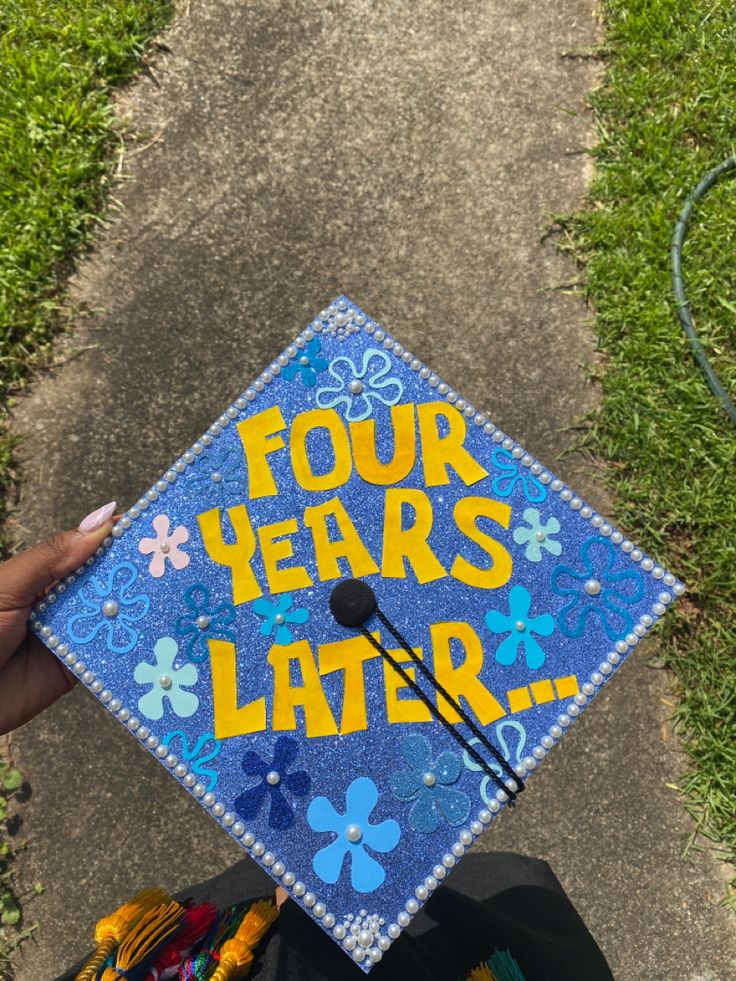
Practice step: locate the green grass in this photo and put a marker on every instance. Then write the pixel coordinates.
(665, 116)
(59, 60)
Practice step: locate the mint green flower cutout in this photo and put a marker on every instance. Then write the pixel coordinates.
(167, 682)
(538, 536)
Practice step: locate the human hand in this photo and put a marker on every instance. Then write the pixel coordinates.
(31, 677)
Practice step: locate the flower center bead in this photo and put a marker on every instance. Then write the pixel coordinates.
(164, 546)
(592, 587)
(520, 626)
(110, 608)
(216, 477)
(353, 833)
(429, 779)
(165, 682)
(279, 618)
(304, 360)
(273, 778)
(355, 387)
(203, 622)
(540, 536)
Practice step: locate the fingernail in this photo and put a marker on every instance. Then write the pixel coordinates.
(96, 519)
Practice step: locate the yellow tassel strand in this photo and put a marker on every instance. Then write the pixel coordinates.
(236, 954)
(112, 930)
(482, 973)
(151, 930)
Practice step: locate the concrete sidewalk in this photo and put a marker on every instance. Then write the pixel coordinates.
(406, 154)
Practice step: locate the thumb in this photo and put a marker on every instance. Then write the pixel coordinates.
(24, 576)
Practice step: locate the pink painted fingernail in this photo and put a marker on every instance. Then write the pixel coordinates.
(96, 519)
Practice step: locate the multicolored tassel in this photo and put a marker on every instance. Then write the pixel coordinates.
(112, 930)
(198, 921)
(500, 966)
(140, 946)
(236, 954)
(199, 966)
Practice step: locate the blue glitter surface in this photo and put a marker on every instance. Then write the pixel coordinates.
(578, 598)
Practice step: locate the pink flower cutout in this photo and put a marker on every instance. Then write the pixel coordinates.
(165, 546)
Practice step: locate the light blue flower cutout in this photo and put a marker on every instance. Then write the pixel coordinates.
(471, 764)
(215, 475)
(166, 682)
(520, 628)
(307, 365)
(512, 474)
(358, 391)
(354, 835)
(110, 608)
(277, 615)
(538, 536)
(426, 782)
(192, 754)
(203, 623)
(597, 591)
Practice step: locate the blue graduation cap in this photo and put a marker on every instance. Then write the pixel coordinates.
(352, 619)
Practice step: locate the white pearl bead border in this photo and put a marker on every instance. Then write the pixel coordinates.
(257, 849)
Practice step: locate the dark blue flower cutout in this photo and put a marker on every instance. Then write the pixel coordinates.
(274, 777)
(427, 782)
(512, 474)
(354, 833)
(203, 622)
(277, 615)
(110, 608)
(215, 474)
(307, 366)
(597, 591)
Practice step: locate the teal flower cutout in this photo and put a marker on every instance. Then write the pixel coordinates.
(354, 835)
(538, 536)
(203, 622)
(513, 475)
(520, 628)
(277, 615)
(166, 682)
(308, 365)
(597, 591)
(427, 782)
(195, 755)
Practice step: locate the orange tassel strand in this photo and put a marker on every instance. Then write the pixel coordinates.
(112, 930)
(158, 925)
(236, 955)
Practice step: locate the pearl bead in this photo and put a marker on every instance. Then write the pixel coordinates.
(110, 608)
(429, 779)
(592, 587)
(202, 622)
(403, 919)
(355, 387)
(279, 618)
(353, 832)
(540, 536)
(216, 477)
(273, 777)
(165, 682)
(520, 626)
(365, 938)
(339, 932)
(304, 360)
(393, 931)
(165, 547)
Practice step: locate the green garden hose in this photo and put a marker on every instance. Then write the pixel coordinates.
(683, 307)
